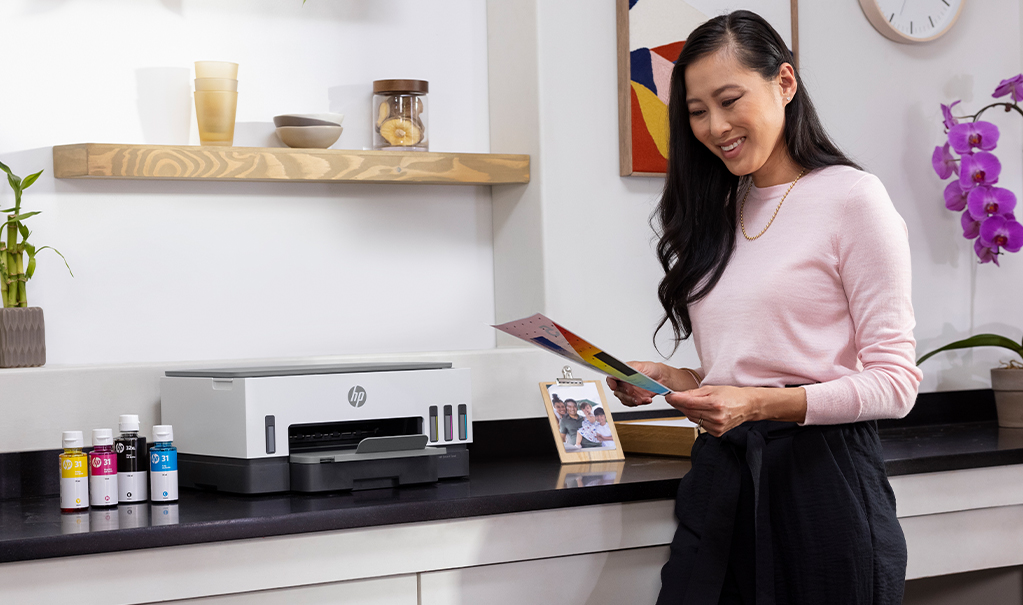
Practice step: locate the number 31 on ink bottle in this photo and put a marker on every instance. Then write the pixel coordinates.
(163, 465)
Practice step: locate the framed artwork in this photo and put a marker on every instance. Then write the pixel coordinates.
(581, 422)
(651, 34)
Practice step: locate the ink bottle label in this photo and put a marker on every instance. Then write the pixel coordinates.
(74, 481)
(163, 471)
(132, 478)
(103, 477)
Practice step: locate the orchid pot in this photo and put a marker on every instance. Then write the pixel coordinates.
(1006, 381)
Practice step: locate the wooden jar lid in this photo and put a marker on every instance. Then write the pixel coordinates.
(407, 86)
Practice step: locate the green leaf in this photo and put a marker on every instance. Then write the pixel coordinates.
(980, 340)
(24, 231)
(15, 182)
(8, 210)
(31, 266)
(25, 215)
(5, 168)
(27, 181)
(60, 255)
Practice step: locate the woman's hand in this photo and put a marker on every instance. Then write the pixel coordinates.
(723, 408)
(630, 395)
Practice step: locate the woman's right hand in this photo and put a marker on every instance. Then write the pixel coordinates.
(630, 395)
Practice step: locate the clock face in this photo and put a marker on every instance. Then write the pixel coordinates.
(912, 20)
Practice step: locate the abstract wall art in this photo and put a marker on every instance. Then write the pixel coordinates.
(651, 34)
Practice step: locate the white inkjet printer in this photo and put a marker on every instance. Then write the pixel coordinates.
(318, 428)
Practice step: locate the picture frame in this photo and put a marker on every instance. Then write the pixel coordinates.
(651, 34)
(596, 440)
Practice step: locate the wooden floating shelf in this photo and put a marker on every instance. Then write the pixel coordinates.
(193, 163)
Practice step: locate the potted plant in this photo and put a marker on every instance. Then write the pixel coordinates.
(22, 331)
(1007, 381)
(988, 218)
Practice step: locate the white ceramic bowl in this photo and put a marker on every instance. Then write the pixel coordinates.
(309, 137)
(309, 119)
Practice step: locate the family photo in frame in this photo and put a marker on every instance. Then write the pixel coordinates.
(581, 422)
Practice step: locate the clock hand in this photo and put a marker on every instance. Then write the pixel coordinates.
(903, 9)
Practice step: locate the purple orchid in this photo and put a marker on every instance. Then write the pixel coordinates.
(981, 168)
(986, 254)
(1013, 86)
(944, 162)
(964, 138)
(999, 232)
(971, 226)
(985, 201)
(946, 113)
(955, 197)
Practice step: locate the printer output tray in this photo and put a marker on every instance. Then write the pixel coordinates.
(323, 471)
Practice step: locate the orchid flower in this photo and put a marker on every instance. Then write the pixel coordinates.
(1013, 86)
(964, 138)
(955, 197)
(944, 162)
(986, 254)
(981, 168)
(985, 201)
(999, 232)
(946, 113)
(971, 226)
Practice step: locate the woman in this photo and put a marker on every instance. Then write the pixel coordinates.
(790, 269)
(587, 434)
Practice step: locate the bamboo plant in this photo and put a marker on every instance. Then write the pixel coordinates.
(14, 271)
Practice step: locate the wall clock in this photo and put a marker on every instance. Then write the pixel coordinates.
(912, 21)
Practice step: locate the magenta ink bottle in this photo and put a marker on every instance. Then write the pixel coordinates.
(132, 461)
(102, 469)
(74, 474)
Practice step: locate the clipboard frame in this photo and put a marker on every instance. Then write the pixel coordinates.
(596, 454)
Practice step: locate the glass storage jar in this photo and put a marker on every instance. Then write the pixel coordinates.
(400, 115)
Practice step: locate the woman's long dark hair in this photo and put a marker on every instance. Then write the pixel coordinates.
(697, 213)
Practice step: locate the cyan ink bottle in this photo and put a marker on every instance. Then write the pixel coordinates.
(163, 465)
(132, 480)
(74, 474)
(102, 469)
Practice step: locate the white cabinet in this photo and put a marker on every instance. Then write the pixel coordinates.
(401, 590)
(606, 578)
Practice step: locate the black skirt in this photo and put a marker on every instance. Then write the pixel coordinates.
(776, 513)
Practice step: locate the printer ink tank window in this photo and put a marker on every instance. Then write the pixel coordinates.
(347, 435)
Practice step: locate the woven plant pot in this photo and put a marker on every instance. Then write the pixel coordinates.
(22, 337)
(1008, 386)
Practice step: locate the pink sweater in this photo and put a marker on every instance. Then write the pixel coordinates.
(822, 297)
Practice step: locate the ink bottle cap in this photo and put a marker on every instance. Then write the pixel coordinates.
(129, 422)
(162, 433)
(73, 439)
(102, 437)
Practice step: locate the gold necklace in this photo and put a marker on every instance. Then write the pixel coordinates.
(742, 207)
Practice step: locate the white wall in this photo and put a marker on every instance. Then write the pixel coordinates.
(193, 271)
(540, 77)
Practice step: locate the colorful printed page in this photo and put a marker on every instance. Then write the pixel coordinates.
(544, 332)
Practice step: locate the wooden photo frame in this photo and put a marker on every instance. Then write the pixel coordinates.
(651, 34)
(591, 442)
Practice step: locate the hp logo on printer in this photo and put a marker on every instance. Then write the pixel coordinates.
(357, 396)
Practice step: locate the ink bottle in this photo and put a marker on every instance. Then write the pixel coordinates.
(102, 469)
(74, 474)
(163, 465)
(132, 479)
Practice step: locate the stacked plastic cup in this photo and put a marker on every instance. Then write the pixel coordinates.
(216, 99)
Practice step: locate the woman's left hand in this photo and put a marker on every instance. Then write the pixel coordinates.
(720, 408)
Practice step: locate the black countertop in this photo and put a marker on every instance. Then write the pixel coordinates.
(32, 527)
